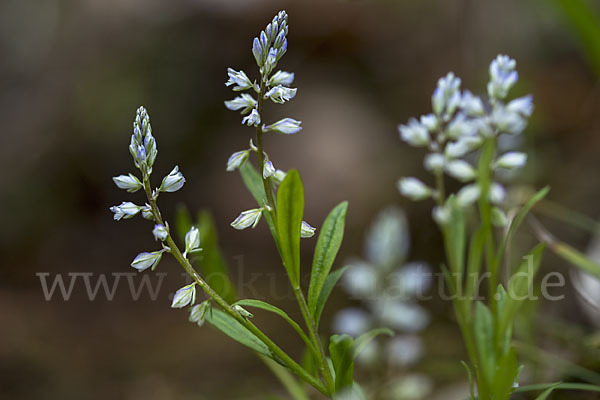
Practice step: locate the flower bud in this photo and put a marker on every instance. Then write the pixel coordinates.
(252, 119)
(413, 188)
(198, 312)
(241, 311)
(125, 210)
(282, 78)
(184, 296)
(288, 126)
(281, 94)
(512, 160)
(306, 231)
(414, 133)
(434, 162)
(239, 79)
(461, 170)
(468, 195)
(245, 102)
(192, 241)
(268, 170)
(522, 106)
(146, 260)
(160, 232)
(128, 182)
(237, 159)
(172, 182)
(247, 218)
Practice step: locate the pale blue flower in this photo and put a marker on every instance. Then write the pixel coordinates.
(287, 125)
(239, 79)
(413, 188)
(446, 96)
(198, 312)
(471, 104)
(192, 241)
(128, 182)
(147, 260)
(252, 119)
(467, 195)
(160, 232)
(282, 78)
(281, 94)
(415, 133)
(237, 159)
(351, 321)
(125, 210)
(268, 170)
(248, 218)
(434, 162)
(522, 105)
(512, 160)
(172, 182)
(461, 170)
(306, 231)
(507, 121)
(502, 77)
(245, 102)
(360, 280)
(184, 296)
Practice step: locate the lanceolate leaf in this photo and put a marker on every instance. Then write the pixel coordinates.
(328, 286)
(290, 207)
(328, 244)
(268, 307)
(341, 351)
(518, 287)
(232, 328)
(484, 339)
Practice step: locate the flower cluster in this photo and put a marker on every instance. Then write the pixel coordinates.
(387, 287)
(267, 48)
(143, 150)
(461, 123)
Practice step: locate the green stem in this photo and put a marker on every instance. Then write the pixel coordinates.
(312, 331)
(185, 264)
(484, 180)
(310, 324)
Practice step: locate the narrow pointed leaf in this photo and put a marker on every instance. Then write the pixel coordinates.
(328, 244)
(328, 286)
(341, 352)
(290, 208)
(276, 310)
(232, 328)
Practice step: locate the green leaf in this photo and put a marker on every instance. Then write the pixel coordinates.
(232, 328)
(328, 244)
(470, 376)
(518, 288)
(211, 260)
(342, 358)
(484, 340)
(516, 223)
(506, 373)
(290, 207)
(366, 337)
(546, 393)
(253, 181)
(328, 286)
(558, 385)
(576, 258)
(268, 307)
(474, 262)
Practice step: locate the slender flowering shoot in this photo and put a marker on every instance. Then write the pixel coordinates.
(280, 198)
(461, 138)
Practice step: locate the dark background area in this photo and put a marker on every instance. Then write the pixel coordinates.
(72, 74)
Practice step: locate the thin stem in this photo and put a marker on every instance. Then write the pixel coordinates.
(312, 330)
(310, 323)
(185, 264)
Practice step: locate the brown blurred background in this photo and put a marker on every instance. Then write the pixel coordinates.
(72, 74)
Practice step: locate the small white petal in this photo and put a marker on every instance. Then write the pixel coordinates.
(287, 126)
(414, 133)
(237, 159)
(128, 182)
(268, 170)
(172, 182)
(192, 241)
(281, 78)
(434, 162)
(497, 193)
